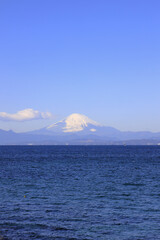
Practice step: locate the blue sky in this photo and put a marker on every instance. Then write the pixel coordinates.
(100, 58)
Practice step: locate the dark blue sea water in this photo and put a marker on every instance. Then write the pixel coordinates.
(80, 192)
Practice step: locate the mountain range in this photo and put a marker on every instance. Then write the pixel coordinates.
(78, 129)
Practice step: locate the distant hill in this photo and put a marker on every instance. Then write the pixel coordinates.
(78, 129)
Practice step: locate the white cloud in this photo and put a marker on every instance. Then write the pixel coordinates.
(25, 115)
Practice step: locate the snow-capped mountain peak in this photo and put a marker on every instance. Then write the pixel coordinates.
(75, 123)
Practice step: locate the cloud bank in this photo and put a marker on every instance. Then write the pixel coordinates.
(25, 115)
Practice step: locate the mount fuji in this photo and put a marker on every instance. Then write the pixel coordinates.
(78, 125)
(75, 123)
(78, 129)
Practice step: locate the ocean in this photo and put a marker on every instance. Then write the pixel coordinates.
(80, 192)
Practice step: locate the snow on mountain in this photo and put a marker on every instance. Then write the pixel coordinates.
(75, 123)
(78, 129)
(78, 125)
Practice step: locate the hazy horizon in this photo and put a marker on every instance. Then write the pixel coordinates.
(60, 120)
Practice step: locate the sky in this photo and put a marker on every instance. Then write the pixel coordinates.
(100, 58)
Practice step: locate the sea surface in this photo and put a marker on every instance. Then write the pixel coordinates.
(80, 192)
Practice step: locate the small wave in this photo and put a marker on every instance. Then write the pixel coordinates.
(134, 184)
(59, 228)
(152, 210)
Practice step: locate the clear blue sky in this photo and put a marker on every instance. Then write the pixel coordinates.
(100, 58)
